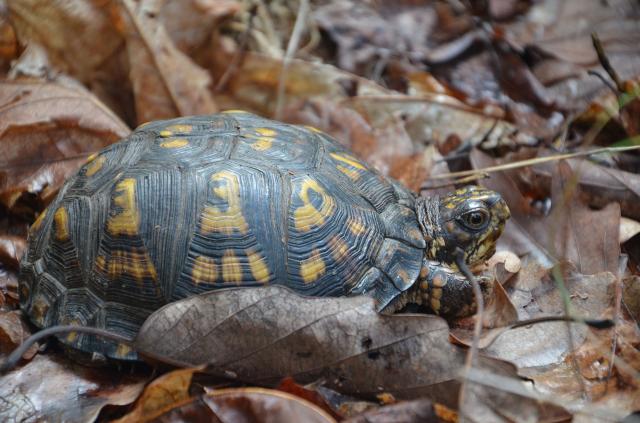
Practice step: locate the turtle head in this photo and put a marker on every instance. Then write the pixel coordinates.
(471, 218)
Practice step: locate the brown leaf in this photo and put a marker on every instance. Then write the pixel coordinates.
(166, 82)
(290, 386)
(13, 331)
(11, 249)
(53, 389)
(263, 334)
(161, 395)
(76, 34)
(240, 405)
(190, 23)
(417, 411)
(559, 235)
(46, 131)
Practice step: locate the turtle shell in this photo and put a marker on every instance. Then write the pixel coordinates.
(188, 205)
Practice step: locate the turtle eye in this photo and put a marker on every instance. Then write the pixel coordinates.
(475, 220)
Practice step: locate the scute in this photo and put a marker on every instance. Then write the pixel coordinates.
(187, 205)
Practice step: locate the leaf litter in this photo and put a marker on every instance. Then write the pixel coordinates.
(418, 89)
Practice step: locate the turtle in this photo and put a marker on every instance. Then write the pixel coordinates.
(192, 204)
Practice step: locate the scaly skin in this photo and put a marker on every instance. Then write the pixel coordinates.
(470, 218)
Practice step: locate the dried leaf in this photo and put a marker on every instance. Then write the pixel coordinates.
(77, 35)
(46, 131)
(50, 388)
(417, 411)
(559, 235)
(13, 331)
(245, 405)
(166, 82)
(264, 334)
(161, 395)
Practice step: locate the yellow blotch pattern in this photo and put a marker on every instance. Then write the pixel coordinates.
(307, 216)
(61, 219)
(227, 221)
(350, 160)
(262, 144)
(313, 129)
(232, 111)
(122, 350)
(95, 165)
(258, 265)
(127, 221)
(266, 132)
(355, 226)
(339, 248)
(36, 224)
(205, 270)
(135, 263)
(177, 143)
(175, 129)
(312, 268)
(231, 269)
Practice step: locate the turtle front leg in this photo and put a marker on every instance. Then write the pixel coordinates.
(447, 292)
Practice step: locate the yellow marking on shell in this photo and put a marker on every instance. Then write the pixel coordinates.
(165, 133)
(350, 160)
(92, 157)
(38, 222)
(313, 129)
(122, 350)
(351, 173)
(266, 132)
(61, 219)
(435, 305)
(231, 269)
(312, 268)
(307, 216)
(258, 265)
(231, 111)
(127, 221)
(180, 129)
(339, 248)
(177, 143)
(204, 270)
(39, 310)
(262, 144)
(227, 221)
(355, 226)
(95, 165)
(127, 263)
(450, 205)
(404, 276)
(72, 336)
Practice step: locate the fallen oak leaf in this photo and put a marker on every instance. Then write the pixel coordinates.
(261, 335)
(50, 388)
(47, 130)
(166, 82)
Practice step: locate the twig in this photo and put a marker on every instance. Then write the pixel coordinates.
(472, 354)
(535, 161)
(606, 64)
(294, 41)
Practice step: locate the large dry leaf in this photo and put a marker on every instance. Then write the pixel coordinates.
(559, 235)
(167, 399)
(53, 389)
(76, 34)
(561, 31)
(263, 335)
(46, 131)
(166, 82)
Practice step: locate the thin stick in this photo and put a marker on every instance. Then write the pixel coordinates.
(535, 161)
(472, 354)
(17, 354)
(294, 41)
(604, 61)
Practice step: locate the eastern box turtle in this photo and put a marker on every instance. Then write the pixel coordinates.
(188, 205)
